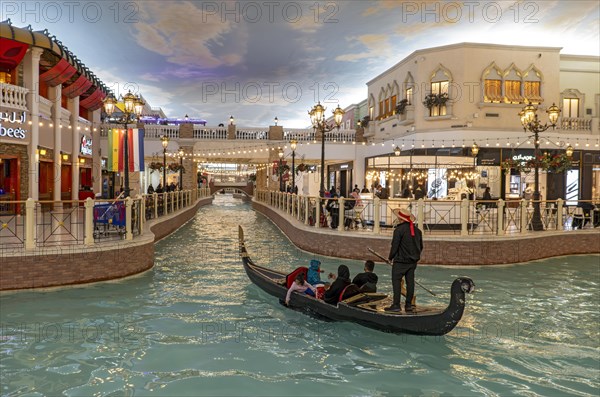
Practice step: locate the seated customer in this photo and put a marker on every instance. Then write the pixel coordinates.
(332, 295)
(367, 281)
(301, 286)
(314, 272)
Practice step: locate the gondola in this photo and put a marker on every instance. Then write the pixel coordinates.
(364, 308)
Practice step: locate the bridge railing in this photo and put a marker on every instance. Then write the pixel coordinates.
(464, 218)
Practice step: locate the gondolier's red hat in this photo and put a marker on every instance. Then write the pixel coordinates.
(404, 215)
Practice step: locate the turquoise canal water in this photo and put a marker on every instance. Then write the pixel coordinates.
(195, 325)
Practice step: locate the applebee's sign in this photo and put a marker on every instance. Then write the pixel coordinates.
(12, 117)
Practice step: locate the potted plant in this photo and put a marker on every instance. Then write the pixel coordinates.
(556, 163)
(155, 166)
(301, 168)
(176, 167)
(401, 106)
(432, 100)
(365, 121)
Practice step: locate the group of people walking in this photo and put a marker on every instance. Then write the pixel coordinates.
(405, 253)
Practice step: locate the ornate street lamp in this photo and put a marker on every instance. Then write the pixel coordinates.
(317, 118)
(231, 120)
(165, 142)
(293, 145)
(569, 151)
(397, 151)
(133, 106)
(531, 123)
(181, 154)
(280, 170)
(276, 120)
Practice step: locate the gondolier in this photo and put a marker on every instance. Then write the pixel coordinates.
(405, 252)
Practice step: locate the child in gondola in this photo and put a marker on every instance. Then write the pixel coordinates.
(314, 272)
(301, 286)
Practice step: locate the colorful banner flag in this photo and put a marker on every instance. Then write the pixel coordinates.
(116, 146)
(135, 144)
(113, 150)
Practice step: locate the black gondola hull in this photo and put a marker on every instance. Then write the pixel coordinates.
(429, 321)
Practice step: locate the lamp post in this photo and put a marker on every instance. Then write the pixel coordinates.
(280, 170)
(317, 117)
(531, 123)
(132, 109)
(165, 142)
(474, 153)
(181, 154)
(293, 145)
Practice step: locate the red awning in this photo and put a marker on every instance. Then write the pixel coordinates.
(81, 85)
(93, 99)
(11, 53)
(58, 74)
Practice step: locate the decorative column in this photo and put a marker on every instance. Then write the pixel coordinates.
(55, 96)
(73, 106)
(189, 180)
(96, 152)
(31, 78)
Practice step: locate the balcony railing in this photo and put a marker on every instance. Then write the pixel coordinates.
(13, 97)
(308, 134)
(156, 131)
(252, 134)
(575, 124)
(217, 133)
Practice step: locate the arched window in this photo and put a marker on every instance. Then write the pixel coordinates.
(394, 89)
(409, 89)
(512, 85)
(438, 92)
(381, 113)
(492, 84)
(532, 85)
(572, 109)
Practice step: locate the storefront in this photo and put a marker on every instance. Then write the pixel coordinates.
(340, 176)
(108, 180)
(449, 173)
(47, 174)
(14, 158)
(428, 173)
(85, 168)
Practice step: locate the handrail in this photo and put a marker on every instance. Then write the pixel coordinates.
(434, 217)
(31, 224)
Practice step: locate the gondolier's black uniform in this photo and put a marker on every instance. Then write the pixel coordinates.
(404, 254)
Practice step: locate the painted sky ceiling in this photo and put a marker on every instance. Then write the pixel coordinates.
(259, 59)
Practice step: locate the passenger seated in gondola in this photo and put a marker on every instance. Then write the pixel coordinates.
(300, 285)
(332, 295)
(367, 281)
(314, 272)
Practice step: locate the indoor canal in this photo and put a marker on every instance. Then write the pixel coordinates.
(195, 325)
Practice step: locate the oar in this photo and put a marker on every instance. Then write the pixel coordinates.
(389, 263)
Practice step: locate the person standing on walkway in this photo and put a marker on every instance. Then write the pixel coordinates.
(407, 245)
